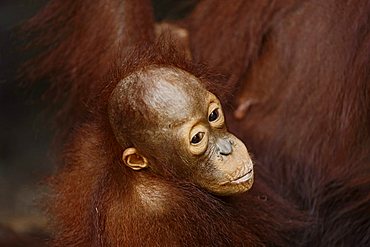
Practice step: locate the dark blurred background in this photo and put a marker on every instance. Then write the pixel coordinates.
(26, 159)
(24, 133)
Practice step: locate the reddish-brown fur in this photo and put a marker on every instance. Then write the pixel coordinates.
(306, 63)
(311, 188)
(79, 40)
(97, 203)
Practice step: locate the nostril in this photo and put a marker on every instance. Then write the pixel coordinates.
(225, 147)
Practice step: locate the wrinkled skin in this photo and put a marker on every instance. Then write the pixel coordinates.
(174, 124)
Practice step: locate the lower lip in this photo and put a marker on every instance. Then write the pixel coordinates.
(243, 179)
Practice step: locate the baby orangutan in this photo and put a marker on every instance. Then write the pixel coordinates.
(169, 124)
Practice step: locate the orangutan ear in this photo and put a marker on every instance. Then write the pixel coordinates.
(133, 159)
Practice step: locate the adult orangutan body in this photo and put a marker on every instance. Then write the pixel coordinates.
(150, 161)
(303, 101)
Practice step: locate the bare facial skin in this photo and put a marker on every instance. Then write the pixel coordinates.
(175, 124)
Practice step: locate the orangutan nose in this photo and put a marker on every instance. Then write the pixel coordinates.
(224, 146)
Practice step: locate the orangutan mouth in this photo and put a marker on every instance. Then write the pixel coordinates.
(243, 178)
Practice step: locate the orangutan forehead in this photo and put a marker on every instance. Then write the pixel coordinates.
(160, 95)
(167, 98)
(173, 93)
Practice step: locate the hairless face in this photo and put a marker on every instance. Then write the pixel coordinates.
(167, 121)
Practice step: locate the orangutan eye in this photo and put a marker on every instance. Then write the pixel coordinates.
(214, 115)
(197, 138)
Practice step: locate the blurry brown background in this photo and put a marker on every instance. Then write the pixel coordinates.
(25, 132)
